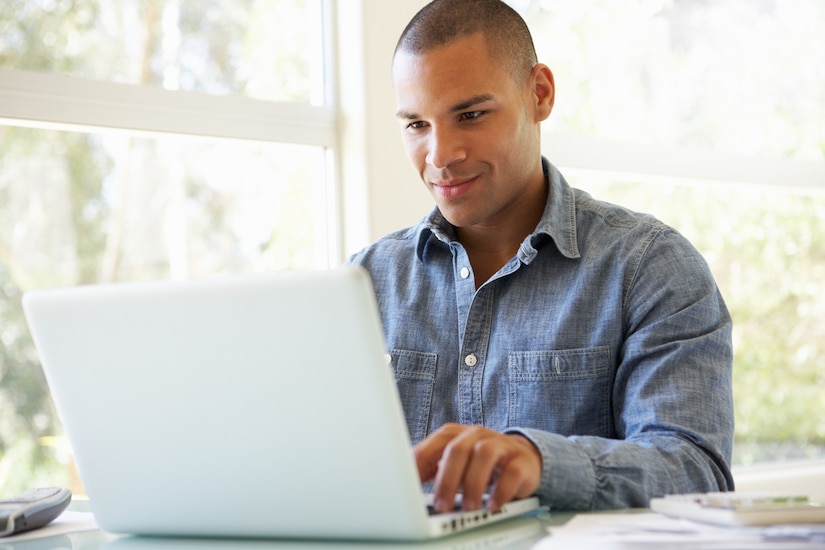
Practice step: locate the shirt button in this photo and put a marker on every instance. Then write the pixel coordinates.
(471, 360)
(464, 273)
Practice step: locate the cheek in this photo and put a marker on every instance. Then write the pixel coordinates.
(523, 141)
(416, 151)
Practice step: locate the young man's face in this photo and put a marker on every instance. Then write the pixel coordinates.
(471, 130)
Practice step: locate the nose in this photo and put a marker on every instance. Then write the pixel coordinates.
(444, 148)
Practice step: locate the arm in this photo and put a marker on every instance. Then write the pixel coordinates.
(672, 394)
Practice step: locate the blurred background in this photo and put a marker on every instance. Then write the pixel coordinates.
(169, 139)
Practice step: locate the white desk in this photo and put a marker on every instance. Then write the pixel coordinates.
(602, 530)
(518, 533)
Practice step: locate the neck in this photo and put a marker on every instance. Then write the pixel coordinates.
(490, 246)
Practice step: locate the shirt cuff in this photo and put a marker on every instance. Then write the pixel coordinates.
(568, 478)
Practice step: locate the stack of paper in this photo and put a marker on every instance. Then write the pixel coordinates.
(652, 530)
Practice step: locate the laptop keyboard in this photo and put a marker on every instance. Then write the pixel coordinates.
(457, 508)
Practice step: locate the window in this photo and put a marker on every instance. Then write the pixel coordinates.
(145, 140)
(267, 49)
(80, 208)
(709, 115)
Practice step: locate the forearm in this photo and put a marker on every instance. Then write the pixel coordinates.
(589, 473)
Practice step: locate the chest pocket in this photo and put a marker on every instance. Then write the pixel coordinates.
(566, 391)
(415, 377)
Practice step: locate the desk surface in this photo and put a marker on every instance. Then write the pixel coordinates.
(518, 533)
(616, 529)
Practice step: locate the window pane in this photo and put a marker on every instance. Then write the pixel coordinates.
(79, 208)
(766, 247)
(265, 49)
(738, 76)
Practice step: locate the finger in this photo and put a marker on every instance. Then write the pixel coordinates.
(487, 453)
(453, 465)
(428, 452)
(450, 475)
(510, 485)
(519, 474)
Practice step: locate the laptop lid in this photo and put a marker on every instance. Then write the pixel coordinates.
(255, 406)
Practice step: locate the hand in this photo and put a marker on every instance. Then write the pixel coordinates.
(473, 458)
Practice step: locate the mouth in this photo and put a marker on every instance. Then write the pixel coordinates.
(454, 188)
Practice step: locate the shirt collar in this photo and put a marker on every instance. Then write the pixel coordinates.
(557, 222)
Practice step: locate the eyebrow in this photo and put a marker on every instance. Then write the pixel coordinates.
(461, 106)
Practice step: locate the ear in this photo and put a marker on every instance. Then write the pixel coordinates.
(543, 90)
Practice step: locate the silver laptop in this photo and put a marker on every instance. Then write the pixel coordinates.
(243, 406)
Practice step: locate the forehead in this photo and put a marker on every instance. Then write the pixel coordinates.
(448, 74)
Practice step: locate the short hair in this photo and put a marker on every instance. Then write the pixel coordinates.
(441, 22)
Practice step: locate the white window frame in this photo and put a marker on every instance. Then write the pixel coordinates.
(646, 161)
(29, 98)
(61, 102)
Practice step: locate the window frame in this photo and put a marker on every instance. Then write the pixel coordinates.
(39, 99)
(53, 101)
(629, 159)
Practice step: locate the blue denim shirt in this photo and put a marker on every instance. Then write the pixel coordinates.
(605, 341)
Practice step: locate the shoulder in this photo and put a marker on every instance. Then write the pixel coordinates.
(579, 224)
(613, 216)
(391, 247)
(645, 245)
(603, 224)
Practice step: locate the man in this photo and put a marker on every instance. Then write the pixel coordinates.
(543, 342)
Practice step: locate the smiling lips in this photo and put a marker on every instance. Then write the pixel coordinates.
(454, 188)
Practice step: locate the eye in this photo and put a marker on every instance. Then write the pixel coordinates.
(471, 115)
(416, 125)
